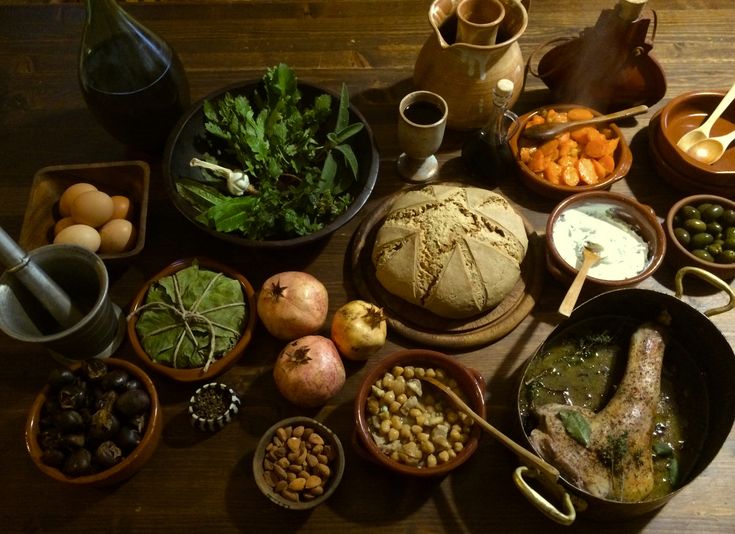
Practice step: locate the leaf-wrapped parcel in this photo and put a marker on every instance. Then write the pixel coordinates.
(191, 318)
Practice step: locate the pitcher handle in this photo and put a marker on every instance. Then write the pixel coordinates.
(565, 517)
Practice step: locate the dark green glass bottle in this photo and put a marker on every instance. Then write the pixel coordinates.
(132, 80)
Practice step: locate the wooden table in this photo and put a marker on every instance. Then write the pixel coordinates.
(200, 482)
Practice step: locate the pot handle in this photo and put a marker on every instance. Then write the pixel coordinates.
(711, 279)
(530, 69)
(565, 517)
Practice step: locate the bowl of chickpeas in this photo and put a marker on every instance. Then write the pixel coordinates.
(407, 425)
(701, 230)
(589, 158)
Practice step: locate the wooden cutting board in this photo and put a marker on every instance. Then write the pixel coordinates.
(421, 325)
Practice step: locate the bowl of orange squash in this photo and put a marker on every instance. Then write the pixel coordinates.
(589, 158)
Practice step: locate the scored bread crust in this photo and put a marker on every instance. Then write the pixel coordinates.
(453, 250)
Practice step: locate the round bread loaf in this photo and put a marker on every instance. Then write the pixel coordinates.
(453, 250)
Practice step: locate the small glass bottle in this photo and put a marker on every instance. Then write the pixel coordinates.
(132, 80)
(485, 153)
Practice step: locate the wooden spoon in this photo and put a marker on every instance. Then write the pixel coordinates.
(591, 255)
(549, 130)
(528, 458)
(687, 140)
(710, 150)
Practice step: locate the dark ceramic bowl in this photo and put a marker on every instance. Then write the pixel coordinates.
(184, 143)
(336, 464)
(622, 156)
(130, 465)
(679, 255)
(221, 364)
(639, 216)
(469, 382)
(685, 113)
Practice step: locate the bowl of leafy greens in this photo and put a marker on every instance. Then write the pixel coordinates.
(192, 320)
(271, 163)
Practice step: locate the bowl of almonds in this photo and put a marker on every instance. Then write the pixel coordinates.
(298, 463)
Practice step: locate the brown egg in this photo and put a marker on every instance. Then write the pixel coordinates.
(118, 235)
(93, 208)
(120, 207)
(63, 223)
(70, 193)
(79, 234)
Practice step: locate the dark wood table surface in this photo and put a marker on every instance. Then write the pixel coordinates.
(199, 482)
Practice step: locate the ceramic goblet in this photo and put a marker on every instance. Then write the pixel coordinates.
(421, 123)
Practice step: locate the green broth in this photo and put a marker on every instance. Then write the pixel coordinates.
(583, 365)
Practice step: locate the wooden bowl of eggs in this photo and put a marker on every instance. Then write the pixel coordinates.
(100, 206)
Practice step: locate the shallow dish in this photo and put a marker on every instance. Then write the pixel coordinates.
(213, 406)
(678, 255)
(128, 178)
(186, 137)
(639, 217)
(469, 383)
(221, 364)
(622, 155)
(681, 115)
(134, 460)
(331, 448)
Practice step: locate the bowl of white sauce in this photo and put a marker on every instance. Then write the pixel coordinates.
(628, 235)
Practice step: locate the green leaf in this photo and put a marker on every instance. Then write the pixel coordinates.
(576, 426)
(662, 449)
(349, 156)
(216, 315)
(329, 171)
(343, 114)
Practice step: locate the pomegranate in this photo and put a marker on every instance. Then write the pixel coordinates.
(293, 304)
(309, 371)
(359, 329)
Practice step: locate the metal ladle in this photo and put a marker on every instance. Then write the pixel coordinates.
(710, 150)
(549, 130)
(701, 133)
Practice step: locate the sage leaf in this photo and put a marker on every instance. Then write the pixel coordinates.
(576, 426)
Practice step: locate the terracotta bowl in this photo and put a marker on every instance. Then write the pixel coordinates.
(221, 364)
(678, 254)
(681, 115)
(638, 216)
(469, 383)
(134, 460)
(128, 178)
(622, 155)
(675, 174)
(336, 464)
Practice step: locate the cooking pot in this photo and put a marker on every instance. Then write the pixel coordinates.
(698, 337)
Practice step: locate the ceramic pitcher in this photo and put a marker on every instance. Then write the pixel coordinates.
(465, 74)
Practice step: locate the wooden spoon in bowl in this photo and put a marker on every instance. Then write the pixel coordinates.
(710, 150)
(701, 133)
(549, 130)
(528, 458)
(591, 255)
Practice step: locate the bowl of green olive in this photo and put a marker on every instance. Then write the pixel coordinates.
(701, 229)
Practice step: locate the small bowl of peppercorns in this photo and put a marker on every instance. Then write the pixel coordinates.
(298, 463)
(95, 423)
(213, 406)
